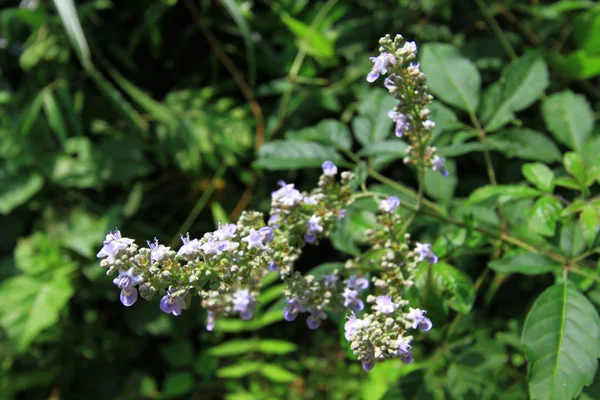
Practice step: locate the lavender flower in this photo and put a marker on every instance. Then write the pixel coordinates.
(329, 168)
(385, 305)
(390, 204)
(409, 48)
(273, 219)
(310, 200)
(404, 352)
(310, 237)
(418, 319)
(189, 247)
(423, 250)
(218, 247)
(428, 124)
(172, 305)
(157, 251)
(254, 239)
(400, 120)
(380, 64)
(126, 281)
(390, 83)
(330, 280)
(439, 164)
(224, 232)
(368, 365)
(210, 321)
(272, 265)
(113, 244)
(286, 196)
(243, 302)
(266, 233)
(357, 282)
(314, 319)
(353, 325)
(293, 308)
(352, 299)
(342, 214)
(314, 224)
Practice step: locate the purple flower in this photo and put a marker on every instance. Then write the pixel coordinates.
(390, 204)
(254, 239)
(287, 195)
(157, 251)
(126, 281)
(409, 48)
(273, 220)
(368, 365)
(390, 83)
(310, 237)
(404, 352)
(418, 319)
(385, 305)
(210, 321)
(342, 214)
(439, 164)
(310, 200)
(329, 168)
(428, 124)
(189, 247)
(224, 232)
(243, 302)
(172, 305)
(380, 64)
(113, 244)
(218, 247)
(353, 325)
(266, 233)
(423, 250)
(357, 282)
(352, 299)
(293, 308)
(314, 319)
(400, 120)
(330, 280)
(272, 266)
(314, 227)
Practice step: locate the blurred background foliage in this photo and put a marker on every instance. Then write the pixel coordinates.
(145, 115)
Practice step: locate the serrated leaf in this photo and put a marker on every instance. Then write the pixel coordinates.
(589, 220)
(278, 374)
(523, 82)
(544, 215)
(561, 338)
(446, 283)
(395, 148)
(293, 154)
(571, 238)
(524, 143)
(540, 176)
(441, 187)
(569, 117)
(374, 106)
(450, 76)
(524, 263)
(573, 163)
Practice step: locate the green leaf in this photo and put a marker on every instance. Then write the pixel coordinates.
(275, 373)
(503, 193)
(233, 347)
(573, 163)
(177, 384)
(561, 337)
(450, 76)
(178, 354)
(330, 132)
(326, 268)
(522, 83)
(374, 106)
(524, 263)
(17, 189)
(524, 143)
(587, 31)
(394, 148)
(577, 64)
(30, 305)
(544, 214)
(293, 154)
(54, 115)
(450, 284)
(441, 187)
(247, 35)
(319, 45)
(589, 221)
(239, 369)
(68, 15)
(219, 214)
(571, 238)
(274, 346)
(540, 176)
(569, 117)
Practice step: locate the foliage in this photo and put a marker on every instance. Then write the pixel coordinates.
(162, 117)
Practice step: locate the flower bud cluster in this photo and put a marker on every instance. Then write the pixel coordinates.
(406, 83)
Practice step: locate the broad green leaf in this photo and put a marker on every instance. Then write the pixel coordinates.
(219, 214)
(374, 106)
(274, 346)
(54, 115)
(450, 76)
(577, 64)
(319, 46)
(524, 143)
(330, 132)
(275, 373)
(589, 220)
(449, 284)
(561, 339)
(324, 269)
(293, 154)
(17, 189)
(522, 83)
(540, 176)
(177, 384)
(573, 163)
(239, 369)
(569, 117)
(572, 241)
(233, 347)
(441, 187)
(30, 305)
(40, 253)
(587, 31)
(394, 148)
(68, 15)
(458, 149)
(544, 214)
(234, 9)
(178, 353)
(503, 193)
(524, 263)
(444, 118)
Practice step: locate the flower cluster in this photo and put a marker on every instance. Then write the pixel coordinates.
(406, 83)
